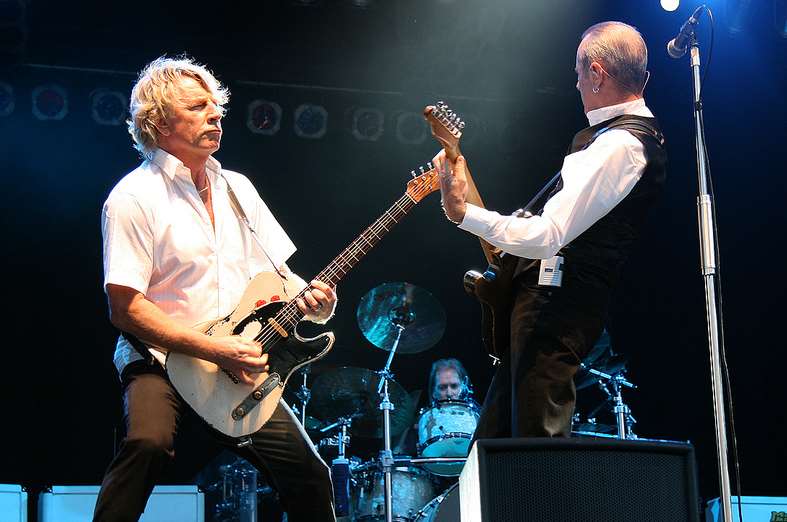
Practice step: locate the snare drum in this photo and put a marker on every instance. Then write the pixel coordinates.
(445, 430)
(412, 488)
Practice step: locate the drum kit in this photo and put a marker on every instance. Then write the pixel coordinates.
(348, 402)
(399, 318)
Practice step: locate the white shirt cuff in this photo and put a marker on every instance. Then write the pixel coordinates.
(476, 220)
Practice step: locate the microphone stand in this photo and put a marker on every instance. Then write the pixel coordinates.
(707, 236)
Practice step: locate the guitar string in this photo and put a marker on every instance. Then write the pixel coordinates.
(400, 208)
(290, 311)
(288, 314)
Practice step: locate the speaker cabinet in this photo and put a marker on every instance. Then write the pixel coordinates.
(13, 503)
(166, 504)
(605, 480)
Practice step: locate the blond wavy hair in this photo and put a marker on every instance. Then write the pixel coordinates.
(156, 92)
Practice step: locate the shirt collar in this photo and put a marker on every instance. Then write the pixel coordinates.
(636, 107)
(172, 166)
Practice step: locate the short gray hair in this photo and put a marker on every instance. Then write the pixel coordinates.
(153, 97)
(620, 49)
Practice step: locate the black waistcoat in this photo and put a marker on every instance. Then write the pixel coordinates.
(593, 260)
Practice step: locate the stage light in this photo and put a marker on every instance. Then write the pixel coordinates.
(7, 101)
(411, 128)
(367, 124)
(311, 121)
(670, 5)
(263, 117)
(108, 107)
(50, 102)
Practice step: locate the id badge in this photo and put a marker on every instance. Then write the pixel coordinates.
(551, 272)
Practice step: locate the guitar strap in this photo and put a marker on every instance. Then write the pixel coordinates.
(134, 341)
(236, 206)
(556, 182)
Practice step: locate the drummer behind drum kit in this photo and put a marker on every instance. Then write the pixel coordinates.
(398, 318)
(403, 318)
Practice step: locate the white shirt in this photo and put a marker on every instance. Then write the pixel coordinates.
(159, 240)
(594, 181)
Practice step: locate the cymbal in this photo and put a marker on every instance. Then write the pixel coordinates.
(352, 392)
(391, 304)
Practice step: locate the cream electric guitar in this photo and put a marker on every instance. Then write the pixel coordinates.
(267, 313)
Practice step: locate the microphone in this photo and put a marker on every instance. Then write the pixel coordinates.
(676, 47)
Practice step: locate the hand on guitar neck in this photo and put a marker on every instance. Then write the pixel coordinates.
(456, 182)
(453, 185)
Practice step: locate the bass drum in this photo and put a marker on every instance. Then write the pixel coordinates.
(412, 488)
(445, 430)
(444, 508)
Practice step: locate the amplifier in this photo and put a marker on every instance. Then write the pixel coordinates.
(13, 503)
(609, 480)
(166, 504)
(755, 509)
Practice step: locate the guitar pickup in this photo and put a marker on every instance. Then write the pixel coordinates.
(255, 397)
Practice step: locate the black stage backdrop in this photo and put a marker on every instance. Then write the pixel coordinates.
(507, 66)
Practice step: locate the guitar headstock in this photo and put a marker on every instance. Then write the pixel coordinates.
(446, 127)
(424, 184)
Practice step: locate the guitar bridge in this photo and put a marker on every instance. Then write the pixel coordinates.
(255, 397)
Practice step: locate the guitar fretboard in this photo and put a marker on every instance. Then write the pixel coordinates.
(289, 315)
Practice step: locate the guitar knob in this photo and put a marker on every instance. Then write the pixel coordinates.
(489, 275)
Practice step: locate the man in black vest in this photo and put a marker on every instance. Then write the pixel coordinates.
(571, 251)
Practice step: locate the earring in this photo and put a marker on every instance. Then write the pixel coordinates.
(595, 90)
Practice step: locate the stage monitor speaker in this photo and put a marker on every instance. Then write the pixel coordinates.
(13, 503)
(609, 480)
(166, 504)
(767, 509)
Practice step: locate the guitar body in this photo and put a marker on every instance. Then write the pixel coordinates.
(213, 393)
(493, 290)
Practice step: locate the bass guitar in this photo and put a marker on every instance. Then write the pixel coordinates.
(267, 312)
(493, 287)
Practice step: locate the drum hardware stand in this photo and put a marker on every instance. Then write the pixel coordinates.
(625, 420)
(304, 394)
(402, 317)
(340, 468)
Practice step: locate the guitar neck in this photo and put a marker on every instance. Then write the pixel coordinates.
(491, 252)
(352, 254)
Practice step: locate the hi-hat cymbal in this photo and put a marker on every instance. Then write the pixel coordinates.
(387, 306)
(352, 392)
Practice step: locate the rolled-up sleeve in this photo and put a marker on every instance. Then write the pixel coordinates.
(594, 181)
(128, 243)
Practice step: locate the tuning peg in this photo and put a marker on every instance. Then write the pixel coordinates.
(429, 166)
(421, 168)
(461, 125)
(413, 174)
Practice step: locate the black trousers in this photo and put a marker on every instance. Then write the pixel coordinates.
(532, 393)
(153, 412)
